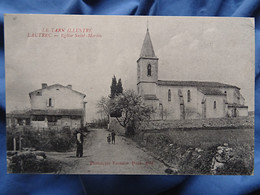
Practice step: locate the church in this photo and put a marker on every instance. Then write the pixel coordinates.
(175, 100)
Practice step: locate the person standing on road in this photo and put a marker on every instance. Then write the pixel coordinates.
(113, 134)
(109, 138)
(79, 137)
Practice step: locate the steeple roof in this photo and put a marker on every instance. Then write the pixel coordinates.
(147, 49)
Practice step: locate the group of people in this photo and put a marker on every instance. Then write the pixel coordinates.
(113, 136)
(80, 139)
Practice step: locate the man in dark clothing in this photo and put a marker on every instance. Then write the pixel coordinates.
(113, 137)
(79, 137)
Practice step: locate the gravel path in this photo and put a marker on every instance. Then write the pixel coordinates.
(123, 157)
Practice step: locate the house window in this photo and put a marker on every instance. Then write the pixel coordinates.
(38, 118)
(39, 93)
(51, 118)
(188, 96)
(75, 117)
(50, 102)
(215, 105)
(169, 95)
(149, 70)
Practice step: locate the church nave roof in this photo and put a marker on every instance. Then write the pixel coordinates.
(195, 84)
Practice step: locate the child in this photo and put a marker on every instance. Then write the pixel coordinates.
(108, 138)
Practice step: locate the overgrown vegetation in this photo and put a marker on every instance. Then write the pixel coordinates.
(28, 163)
(133, 110)
(127, 107)
(191, 152)
(131, 107)
(45, 140)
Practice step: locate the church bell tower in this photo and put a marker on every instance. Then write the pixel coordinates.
(147, 70)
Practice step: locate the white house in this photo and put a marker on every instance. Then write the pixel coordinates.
(57, 105)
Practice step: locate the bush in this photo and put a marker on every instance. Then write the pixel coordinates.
(27, 163)
(242, 162)
(201, 165)
(46, 140)
(62, 143)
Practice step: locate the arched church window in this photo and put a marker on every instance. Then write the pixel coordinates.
(149, 70)
(215, 104)
(188, 96)
(169, 95)
(50, 102)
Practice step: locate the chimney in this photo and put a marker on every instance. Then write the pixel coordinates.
(44, 85)
(69, 86)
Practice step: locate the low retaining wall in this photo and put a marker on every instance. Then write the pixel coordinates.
(216, 123)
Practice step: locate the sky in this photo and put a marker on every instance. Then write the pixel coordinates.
(188, 48)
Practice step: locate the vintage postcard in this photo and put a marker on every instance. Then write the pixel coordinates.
(129, 95)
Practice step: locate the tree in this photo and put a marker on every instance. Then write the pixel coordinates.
(119, 89)
(116, 88)
(103, 109)
(103, 106)
(133, 110)
(113, 87)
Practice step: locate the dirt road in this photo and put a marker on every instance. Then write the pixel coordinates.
(123, 157)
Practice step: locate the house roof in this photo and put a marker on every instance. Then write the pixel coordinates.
(56, 85)
(58, 112)
(211, 91)
(18, 115)
(147, 48)
(195, 84)
(237, 105)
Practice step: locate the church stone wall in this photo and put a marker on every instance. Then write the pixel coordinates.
(200, 97)
(231, 97)
(192, 108)
(243, 111)
(217, 112)
(171, 108)
(147, 88)
(142, 66)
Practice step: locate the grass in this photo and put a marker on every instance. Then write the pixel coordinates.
(179, 148)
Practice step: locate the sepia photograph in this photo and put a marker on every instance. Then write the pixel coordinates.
(146, 95)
